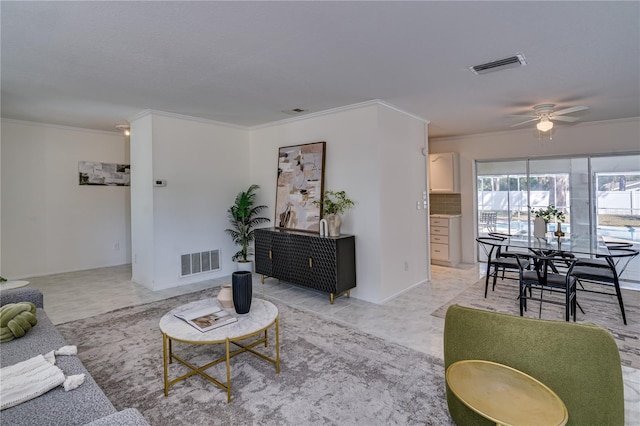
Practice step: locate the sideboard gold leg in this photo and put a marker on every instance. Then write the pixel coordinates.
(349, 294)
(331, 297)
(262, 279)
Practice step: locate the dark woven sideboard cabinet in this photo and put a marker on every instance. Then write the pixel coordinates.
(324, 263)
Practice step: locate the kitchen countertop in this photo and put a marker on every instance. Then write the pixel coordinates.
(445, 216)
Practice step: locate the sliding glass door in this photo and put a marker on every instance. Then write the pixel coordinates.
(616, 191)
(561, 183)
(599, 195)
(502, 197)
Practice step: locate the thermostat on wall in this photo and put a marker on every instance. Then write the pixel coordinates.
(159, 182)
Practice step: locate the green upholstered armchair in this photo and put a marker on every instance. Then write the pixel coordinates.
(579, 362)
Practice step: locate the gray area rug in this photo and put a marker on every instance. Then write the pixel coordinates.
(331, 374)
(599, 309)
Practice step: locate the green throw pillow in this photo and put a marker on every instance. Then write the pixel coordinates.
(16, 319)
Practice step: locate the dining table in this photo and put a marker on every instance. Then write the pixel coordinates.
(599, 261)
(581, 245)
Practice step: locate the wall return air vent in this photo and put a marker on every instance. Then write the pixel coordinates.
(501, 64)
(197, 263)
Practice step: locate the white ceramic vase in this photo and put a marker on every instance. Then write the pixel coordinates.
(539, 228)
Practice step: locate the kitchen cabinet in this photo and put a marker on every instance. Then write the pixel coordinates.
(444, 173)
(445, 239)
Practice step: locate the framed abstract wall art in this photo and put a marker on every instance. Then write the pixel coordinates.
(300, 183)
(104, 174)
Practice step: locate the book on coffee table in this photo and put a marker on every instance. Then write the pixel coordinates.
(207, 318)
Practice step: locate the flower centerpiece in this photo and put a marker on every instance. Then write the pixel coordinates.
(544, 216)
(549, 214)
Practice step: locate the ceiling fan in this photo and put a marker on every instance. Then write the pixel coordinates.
(545, 115)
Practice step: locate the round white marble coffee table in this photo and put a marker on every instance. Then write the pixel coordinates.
(263, 315)
(6, 285)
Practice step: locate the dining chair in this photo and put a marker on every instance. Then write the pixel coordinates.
(605, 270)
(488, 220)
(508, 251)
(493, 248)
(546, 277)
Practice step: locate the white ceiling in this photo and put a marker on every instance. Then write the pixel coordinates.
(96, 64)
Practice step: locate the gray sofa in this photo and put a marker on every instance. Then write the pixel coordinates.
(85, 405)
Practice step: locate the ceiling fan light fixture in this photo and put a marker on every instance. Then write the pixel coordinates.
(544, 125)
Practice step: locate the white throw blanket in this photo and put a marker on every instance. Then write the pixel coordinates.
(31, 378)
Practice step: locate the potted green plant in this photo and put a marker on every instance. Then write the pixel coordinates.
(243, 215)
(334, 204)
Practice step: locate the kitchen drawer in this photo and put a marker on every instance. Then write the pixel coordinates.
(440, 239)
(439, 230)
(439, 221)
(445, 240)
(440, 251)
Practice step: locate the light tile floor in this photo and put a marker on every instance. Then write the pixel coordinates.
(405, 320)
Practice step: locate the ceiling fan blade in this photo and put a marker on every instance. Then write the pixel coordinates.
(523, 115)
(567, 119)
(525, 122)
(570, 110)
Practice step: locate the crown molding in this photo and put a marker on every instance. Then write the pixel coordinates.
(401, 111)
(148, 112)
(374, 102)
(528, 130)
(60, 126)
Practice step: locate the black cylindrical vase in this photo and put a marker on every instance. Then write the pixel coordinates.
(242, 284)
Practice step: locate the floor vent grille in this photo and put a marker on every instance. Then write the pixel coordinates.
(197, 263)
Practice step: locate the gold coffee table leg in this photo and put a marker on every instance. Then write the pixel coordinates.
(166, 366)
(277, 346)
(228, 373)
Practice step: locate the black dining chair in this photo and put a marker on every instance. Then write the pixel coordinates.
(496, 262)
(605, 270)
(508, 251)
(542, 276)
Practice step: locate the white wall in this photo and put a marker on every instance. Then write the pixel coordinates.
(402, 181)
(373, 153)
(603, 137)
(51, 224)
(360, 144)
(205, 166)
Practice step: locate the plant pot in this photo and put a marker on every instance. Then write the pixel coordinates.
(242, 286)
(245, 266)
(225, 296)
(333, 223)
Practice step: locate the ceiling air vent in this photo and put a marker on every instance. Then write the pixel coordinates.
(294, 111)
(501, 64)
